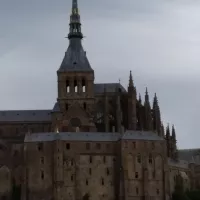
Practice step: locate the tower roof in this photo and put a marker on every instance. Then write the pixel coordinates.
(75, 58)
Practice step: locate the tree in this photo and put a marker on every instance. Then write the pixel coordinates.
(194, 195)
(179, 193)
(16, 191)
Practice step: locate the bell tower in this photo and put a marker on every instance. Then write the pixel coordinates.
(75, 81)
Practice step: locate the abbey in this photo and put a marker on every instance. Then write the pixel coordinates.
(99, 141)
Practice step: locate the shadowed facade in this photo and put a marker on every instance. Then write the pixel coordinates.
(99, 141)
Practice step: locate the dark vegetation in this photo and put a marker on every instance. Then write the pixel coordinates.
(180, 194)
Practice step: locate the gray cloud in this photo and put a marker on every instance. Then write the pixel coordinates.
(158, 40)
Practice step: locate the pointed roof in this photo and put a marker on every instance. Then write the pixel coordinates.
(167, 132)
(146, 101)
(75, 58)
(173, 133)
(140, 99)
(146, 96)
(155, 101)
(130, 79)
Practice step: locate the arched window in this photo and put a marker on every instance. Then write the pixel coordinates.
(139, 158)
(75, 86)
(150, 159)
(84, 106)
(83, 85)
(67, 86)
(66, 106)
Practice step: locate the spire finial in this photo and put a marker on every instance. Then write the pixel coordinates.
(75, 24)
(168, 132)
(74, 5)
(155, 102)
(140, 99)
(146, 96)
(130, 79)
(155, 96)
(173, 132)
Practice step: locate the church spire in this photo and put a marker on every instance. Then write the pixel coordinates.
(167, 133)
(75, 59)
(148, 114)
(146, 96)
(156, 116)
(130, 80)
(140, 99)
(75, 24)
(173, 133)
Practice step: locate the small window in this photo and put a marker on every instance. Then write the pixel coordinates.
(67, 86)
(84, 106)
(42, 160)
(40, 146)
(90, 171)
(137, 190)
(102, 181)
(75, 86)
(68, 146)
(88, 146)
(86, 182)
(72, 163)
(157, 191)
(98, 145)
(72, 178)
(139, 158)
(134, 145)
(107, 171)
(42, 174)
(90, 159)
(108, 146)
(83, 86)
(150, 159)
(136, 175)
(66, 106)
(104, 159)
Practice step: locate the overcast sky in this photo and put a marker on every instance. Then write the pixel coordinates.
(159, 40)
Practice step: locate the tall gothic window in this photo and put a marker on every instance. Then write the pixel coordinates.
(83, 86)
(84, 106)
(66, 106)
(67, 86)
(75, 86)
(150, 159)
(139, 158)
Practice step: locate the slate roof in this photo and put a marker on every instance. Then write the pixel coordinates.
(90, 136)
(56, 107)
(75, 58)
(189, 155)
(179, 163)
(141, 135)
(25, 115)
(110, 87)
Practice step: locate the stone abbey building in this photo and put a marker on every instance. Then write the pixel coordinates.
(98, 142)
